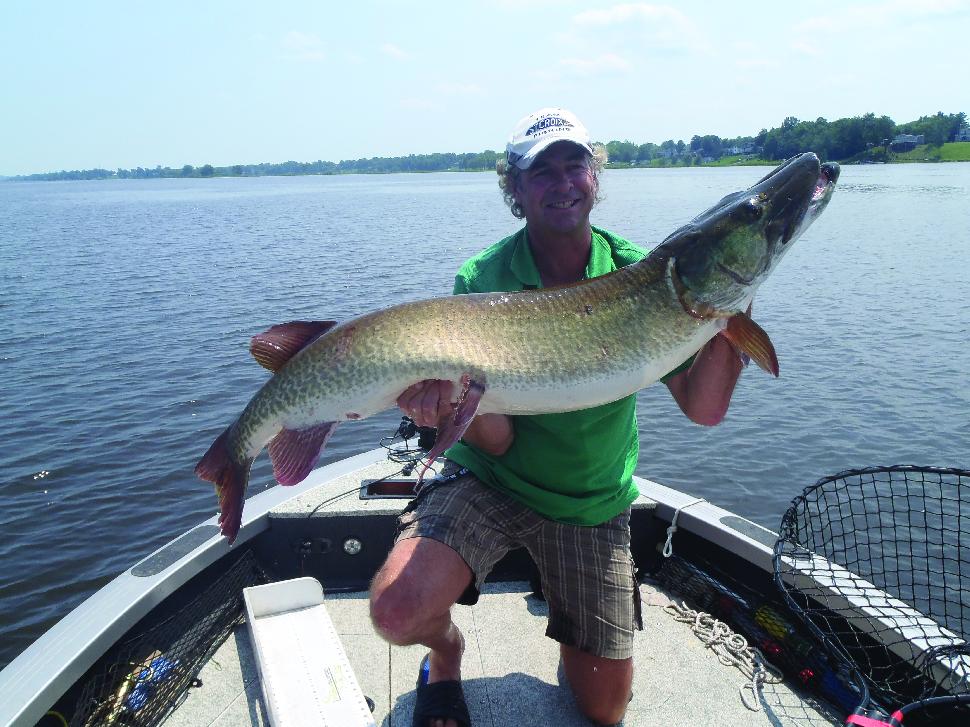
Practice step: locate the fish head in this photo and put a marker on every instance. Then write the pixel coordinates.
(717, 261)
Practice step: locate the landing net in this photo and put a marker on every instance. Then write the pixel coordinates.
(139, 681)
(876, 561)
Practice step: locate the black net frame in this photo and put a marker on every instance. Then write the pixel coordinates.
(906, 531)
(139, 681)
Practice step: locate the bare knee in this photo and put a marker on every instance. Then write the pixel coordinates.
(393, 611)
(601, 686)
(415, 589)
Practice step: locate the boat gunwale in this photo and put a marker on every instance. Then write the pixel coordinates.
(41, 674)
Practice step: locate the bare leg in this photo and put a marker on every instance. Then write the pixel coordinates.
(411, 599)
(601, 685)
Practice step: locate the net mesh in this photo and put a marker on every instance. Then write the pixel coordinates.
(765, 622)
(138, 682)
(876, 561)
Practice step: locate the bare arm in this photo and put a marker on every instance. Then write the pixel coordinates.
(703, 392)
(426, 402)
(491, 433)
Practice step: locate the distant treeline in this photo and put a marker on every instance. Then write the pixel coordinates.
(862, 137)
(377, 165)
(865, 136)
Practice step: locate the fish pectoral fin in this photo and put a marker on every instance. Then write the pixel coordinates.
(275, 346)
(748, 337)
(453, 425)
(294, 452)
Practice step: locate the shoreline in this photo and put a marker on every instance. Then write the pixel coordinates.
(924, 154)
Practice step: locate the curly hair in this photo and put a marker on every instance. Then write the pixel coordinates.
(508, 177)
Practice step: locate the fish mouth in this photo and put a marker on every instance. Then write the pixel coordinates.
(802, 187)
(735, 276)
(828, 175)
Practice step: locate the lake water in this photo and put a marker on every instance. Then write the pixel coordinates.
(126, 309)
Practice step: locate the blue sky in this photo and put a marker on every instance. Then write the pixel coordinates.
(125, 84)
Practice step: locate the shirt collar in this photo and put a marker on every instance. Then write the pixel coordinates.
(600, 257)
(523, 265)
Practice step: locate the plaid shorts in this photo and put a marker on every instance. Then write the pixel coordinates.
(587, 573)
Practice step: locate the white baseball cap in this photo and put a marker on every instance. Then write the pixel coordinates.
(537, 131)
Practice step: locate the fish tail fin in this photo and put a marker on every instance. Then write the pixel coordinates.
(294, 452)
(230, 478)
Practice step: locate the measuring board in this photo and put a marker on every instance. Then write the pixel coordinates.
(306, 678)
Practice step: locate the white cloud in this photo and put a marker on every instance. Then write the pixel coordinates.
(609, 63)
(807, 48)
(892, 13)
(440, 96)
(743, 46)
(460, 89)
(389, 49)
(305, 47)
(630, 11)
(757, 64)
(417, 104)
(822, 25)
(661, 27)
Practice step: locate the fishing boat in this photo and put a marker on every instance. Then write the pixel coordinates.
(275, 628)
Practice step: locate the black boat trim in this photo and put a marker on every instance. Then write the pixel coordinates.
(162, 559)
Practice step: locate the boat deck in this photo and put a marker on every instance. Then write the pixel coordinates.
(329, 529)
(511, 672)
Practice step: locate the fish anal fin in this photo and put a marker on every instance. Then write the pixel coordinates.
(748, 337)
(230, 479)
(275, 346)
(453, 425)
(294, 452)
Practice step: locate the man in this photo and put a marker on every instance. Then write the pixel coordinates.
(559, 484)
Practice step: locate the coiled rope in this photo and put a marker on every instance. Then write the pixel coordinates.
(732, 649)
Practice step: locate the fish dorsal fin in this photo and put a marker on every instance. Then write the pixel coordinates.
(277, 345)
(750, 338)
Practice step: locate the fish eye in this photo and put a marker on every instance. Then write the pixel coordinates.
(750, 209)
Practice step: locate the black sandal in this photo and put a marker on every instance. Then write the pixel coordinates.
(440, 700)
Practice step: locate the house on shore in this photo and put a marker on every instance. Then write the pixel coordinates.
(963, 134)
(906, 142)
(746, 148)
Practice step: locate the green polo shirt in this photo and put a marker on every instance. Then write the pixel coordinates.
(575, 467)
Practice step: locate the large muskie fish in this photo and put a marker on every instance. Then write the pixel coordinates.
(531, 352)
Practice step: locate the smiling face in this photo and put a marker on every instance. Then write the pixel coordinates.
(558, 190)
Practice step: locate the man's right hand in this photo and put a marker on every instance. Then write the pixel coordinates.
(426, 402)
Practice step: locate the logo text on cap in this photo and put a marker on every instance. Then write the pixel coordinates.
(546, 123)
